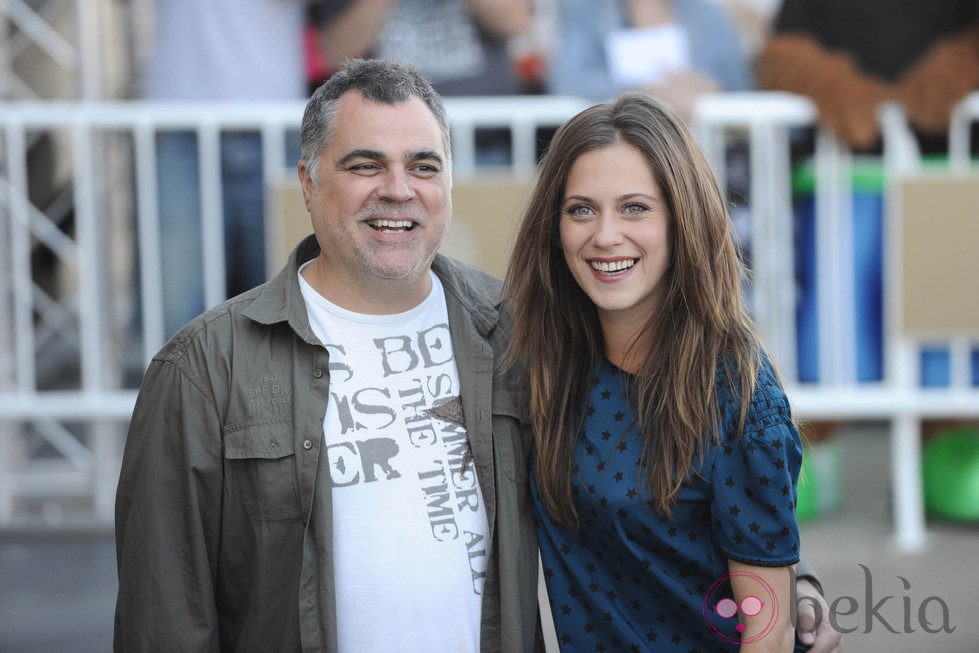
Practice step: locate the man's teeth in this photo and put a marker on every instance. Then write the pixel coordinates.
(391, 224)
(613, 266)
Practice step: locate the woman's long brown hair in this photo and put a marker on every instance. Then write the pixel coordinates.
(701, 326)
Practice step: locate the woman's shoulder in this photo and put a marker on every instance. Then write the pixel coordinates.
(768, 406)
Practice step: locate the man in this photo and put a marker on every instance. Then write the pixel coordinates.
(333, 461)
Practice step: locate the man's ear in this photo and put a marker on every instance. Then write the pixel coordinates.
(306, 182)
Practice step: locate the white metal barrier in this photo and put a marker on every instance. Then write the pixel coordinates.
(897, 398)
(65, 442)
(59, 443)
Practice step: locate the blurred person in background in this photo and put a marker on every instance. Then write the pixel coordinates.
(229, 51)
(676, 50)
(460, 46)
(752, 21)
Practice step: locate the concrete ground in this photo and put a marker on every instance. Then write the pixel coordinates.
(58, 594)
(858, 533)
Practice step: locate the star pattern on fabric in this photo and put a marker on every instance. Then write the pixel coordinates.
(632, 579)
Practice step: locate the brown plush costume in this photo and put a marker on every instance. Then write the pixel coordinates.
(845, 97)
(851, 55)
(938, 81)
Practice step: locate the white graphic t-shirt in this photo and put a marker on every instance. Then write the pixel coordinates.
(409, 524)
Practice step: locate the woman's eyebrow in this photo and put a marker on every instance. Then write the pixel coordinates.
(620, 198)
(629, 196)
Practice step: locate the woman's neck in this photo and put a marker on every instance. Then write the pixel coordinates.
(626, 345)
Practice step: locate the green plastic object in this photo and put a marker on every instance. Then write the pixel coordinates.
(867, 174)
(820, 487)
(950, 474)
(807, 492)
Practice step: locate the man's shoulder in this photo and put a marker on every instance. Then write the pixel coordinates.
(468, 281)
(215, 329)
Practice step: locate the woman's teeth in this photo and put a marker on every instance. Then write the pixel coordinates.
(611, 267)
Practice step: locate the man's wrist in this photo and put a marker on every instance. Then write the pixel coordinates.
(805, 571)
(812, 580)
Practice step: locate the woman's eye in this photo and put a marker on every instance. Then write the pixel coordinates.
(636, 208)
(578, 210)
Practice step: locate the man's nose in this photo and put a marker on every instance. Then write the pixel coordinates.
(397, 185)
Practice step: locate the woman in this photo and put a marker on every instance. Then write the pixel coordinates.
(665, 454)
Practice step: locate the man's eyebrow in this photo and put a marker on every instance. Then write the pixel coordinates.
(377, 155)
(425, 155)
(373, 155)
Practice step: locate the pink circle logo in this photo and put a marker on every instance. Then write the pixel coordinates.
(751, 605)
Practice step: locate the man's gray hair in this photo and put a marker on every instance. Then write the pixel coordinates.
(379, 80)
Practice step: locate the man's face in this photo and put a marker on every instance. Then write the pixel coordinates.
(382, 203)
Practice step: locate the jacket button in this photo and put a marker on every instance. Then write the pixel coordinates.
(317, 373)
(307, 444)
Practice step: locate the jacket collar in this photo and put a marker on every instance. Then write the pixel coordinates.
(281, 300)
(469, 286)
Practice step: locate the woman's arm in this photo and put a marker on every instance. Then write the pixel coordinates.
(763, 595)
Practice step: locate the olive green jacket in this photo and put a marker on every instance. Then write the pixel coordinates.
(223, 510)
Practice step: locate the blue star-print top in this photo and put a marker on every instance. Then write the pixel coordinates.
(631, 580)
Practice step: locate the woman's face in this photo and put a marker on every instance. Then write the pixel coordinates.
(615, 232)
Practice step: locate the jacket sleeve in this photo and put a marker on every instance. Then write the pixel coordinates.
(804, 570)
(168, 517)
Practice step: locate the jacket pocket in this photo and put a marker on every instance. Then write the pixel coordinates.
(511, 431)
(260, 468)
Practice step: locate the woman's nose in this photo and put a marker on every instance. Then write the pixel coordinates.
(607, 231)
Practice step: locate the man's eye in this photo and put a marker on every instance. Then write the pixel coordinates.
(426, 169)
(364, 167)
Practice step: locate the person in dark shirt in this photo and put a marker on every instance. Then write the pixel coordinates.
(665, 454)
